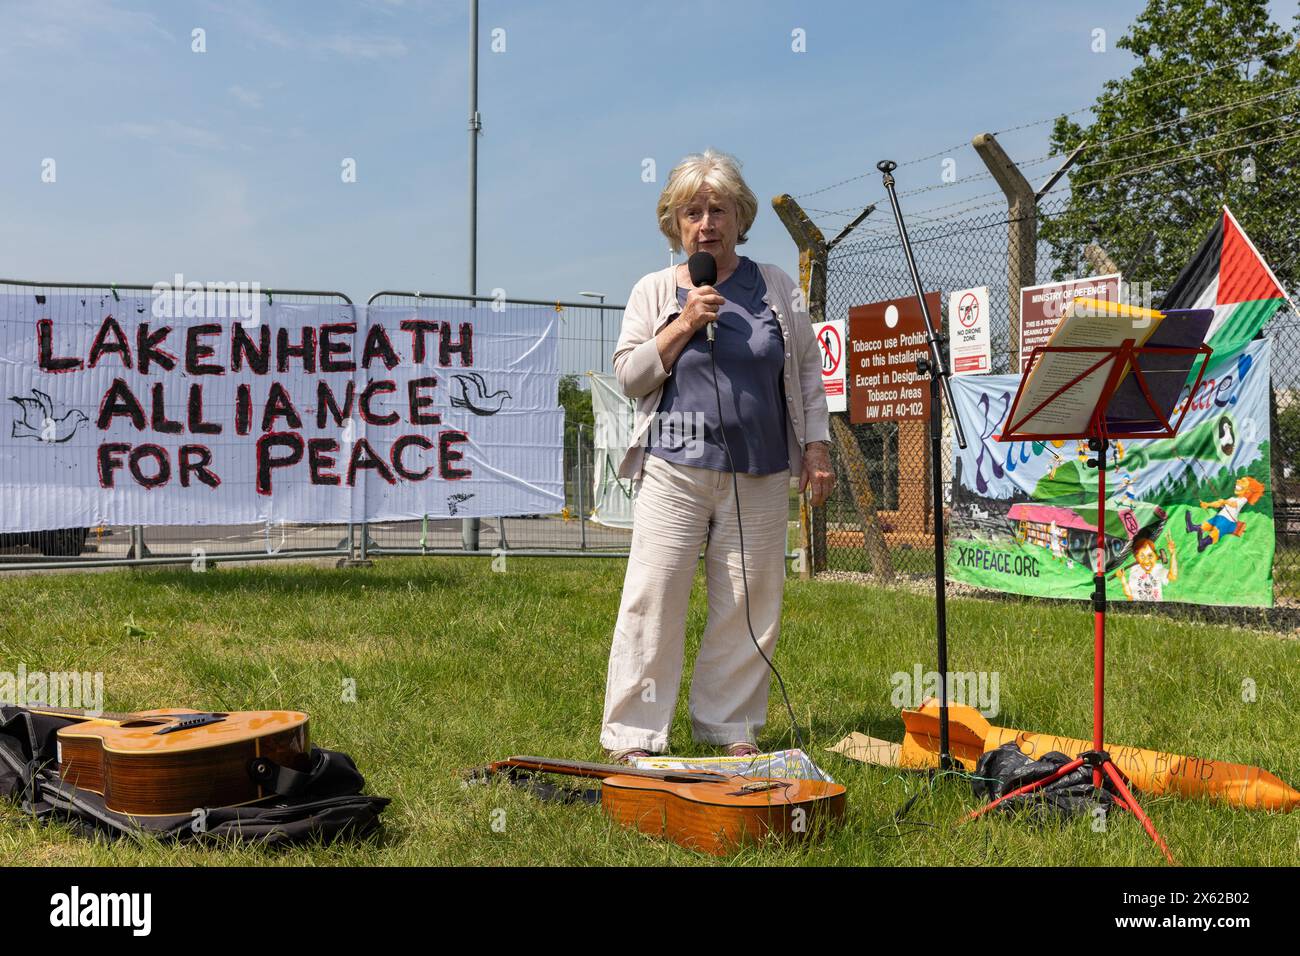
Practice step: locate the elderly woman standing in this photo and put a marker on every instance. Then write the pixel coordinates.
(776, 427)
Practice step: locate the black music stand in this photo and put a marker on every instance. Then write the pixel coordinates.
(936, 367)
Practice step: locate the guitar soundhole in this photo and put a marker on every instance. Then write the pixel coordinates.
(142, 722)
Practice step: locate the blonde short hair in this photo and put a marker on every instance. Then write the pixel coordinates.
(721, 173)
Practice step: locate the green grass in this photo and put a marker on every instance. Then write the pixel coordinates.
(456, 665)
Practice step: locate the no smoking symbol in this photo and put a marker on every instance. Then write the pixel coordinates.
(968, 310)
(832, 349)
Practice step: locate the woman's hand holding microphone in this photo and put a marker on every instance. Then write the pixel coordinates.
(702, 306)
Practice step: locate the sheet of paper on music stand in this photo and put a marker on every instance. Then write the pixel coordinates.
(1087, 323)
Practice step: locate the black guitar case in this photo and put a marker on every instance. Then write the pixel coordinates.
(318, 806)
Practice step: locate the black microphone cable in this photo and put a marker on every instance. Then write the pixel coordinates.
(744, 576)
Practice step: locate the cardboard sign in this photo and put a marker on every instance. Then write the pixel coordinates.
(885, 340)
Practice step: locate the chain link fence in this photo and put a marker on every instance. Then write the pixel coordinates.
(883, 484)
(890, 463)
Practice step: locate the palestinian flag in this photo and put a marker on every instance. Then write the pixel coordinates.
(1228, 275)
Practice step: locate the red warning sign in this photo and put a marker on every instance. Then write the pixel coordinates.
(968, 309)
(830, 343)
(968, 317)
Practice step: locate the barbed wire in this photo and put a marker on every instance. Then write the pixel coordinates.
(964, 181)
(852, 179)
(969, 204)
(1027, 164)
(1039, 122)
(1147, 168)
(1186, 159)
(922, 239)
(959, 202)
(1182, 119)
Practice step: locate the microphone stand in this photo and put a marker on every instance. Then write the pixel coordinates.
(937, 369)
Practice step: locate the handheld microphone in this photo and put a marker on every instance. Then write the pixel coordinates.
(704, 271)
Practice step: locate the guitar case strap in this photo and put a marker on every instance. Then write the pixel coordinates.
(318, 805)
(279, 779)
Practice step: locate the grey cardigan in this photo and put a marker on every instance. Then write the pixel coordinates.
(641, 374)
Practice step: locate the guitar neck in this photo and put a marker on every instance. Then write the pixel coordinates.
(579, 768)
(84, 714)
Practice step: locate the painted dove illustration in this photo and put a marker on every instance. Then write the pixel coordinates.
(453, 501)
(474, 395)
(38, 419)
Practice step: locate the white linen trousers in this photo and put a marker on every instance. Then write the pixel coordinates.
(679, 508)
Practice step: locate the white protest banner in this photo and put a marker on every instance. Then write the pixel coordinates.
(968, 324)
(123, 412)
(830, 342)
(615, 414)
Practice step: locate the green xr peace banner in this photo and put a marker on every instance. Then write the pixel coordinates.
(1187, 519)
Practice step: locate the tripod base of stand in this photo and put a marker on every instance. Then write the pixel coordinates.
(1100, 763)
(950, 764)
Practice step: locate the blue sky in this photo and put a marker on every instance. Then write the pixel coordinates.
(226, 165)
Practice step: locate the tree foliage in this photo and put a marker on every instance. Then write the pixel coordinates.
(1210, 115)
(576, 402)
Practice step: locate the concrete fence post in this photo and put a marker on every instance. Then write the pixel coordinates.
(1022, 232)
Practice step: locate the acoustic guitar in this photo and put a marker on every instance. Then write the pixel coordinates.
(711, 812)
(172, 760)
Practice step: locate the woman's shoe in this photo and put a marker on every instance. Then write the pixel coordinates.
(626, 756)
(742, 748)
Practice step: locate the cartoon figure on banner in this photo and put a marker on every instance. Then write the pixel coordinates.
(1146, 580)
(1057, 461)
(1247, 491)
(1056, 542)
(1125, 492)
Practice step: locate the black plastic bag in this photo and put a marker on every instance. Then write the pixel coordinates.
(1006, 769)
